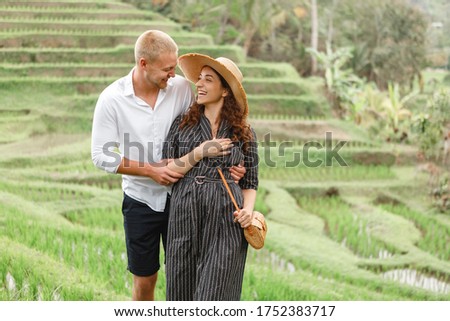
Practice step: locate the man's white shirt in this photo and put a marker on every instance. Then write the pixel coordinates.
(126, 126)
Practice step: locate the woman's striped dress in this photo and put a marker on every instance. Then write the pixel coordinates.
(206, 250)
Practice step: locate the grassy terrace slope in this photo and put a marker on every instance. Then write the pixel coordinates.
(370, 237)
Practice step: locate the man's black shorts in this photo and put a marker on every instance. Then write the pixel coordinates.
(144, 229)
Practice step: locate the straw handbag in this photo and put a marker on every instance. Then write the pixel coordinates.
(255, 234)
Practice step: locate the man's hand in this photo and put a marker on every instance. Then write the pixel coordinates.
(163, 175)
(237, 172)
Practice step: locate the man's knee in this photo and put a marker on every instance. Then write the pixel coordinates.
(145, 281)
(144, 287)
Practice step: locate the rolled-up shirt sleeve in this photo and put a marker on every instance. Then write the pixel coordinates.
(105, 138)
(251, 161)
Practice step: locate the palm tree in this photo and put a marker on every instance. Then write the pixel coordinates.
(342, 84)
(395, 106)
(259, 16)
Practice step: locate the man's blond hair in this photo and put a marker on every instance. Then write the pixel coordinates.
(152, 43)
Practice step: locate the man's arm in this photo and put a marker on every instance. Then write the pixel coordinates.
(159, 172)
(105, 142)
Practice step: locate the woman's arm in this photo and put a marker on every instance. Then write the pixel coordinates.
(209, 148)
(249, 184)
(245, 215)
(182, 164)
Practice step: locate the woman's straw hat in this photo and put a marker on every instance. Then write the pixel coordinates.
(192, 64)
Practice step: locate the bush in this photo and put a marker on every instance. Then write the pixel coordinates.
(447, 78)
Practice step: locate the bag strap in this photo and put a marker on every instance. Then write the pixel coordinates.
(228, 189)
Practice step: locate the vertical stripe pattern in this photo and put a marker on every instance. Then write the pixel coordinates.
(206, 250)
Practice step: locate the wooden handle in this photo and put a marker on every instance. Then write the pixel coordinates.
(228, 189)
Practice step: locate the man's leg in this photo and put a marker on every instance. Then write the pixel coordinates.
(143, 230)
(144, 287)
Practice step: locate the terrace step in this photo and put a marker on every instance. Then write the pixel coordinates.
(20, 128)
(64, 13)
(114, 70)
(43, 266)
(73, 39)
(293, 104)
(277, 86)
(268, 69)
(137, 26)
(88, 5)
(122, 54)
(84, 94)
(301, 131)
(64, 70)
(95, 85)
(55, 72)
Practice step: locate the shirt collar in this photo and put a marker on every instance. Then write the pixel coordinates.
(128, 87)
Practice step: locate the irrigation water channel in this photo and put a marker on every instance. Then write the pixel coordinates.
(415, 278)
(406, 276)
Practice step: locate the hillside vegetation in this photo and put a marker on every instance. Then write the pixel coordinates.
(362, 229)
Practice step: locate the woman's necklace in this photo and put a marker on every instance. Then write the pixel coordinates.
(214, 130)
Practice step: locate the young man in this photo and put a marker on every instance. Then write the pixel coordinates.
(131, 120)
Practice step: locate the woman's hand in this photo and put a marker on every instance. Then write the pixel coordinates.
(243, 217)
(214, 148)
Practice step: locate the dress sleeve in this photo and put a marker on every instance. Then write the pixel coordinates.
(251, 160)
(171, 145)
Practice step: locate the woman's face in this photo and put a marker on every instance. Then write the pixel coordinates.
(209, 88)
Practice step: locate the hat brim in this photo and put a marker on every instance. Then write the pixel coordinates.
(191, 65)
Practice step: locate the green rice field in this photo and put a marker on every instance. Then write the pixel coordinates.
(366, 230)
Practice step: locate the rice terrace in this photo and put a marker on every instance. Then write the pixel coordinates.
(375, 229)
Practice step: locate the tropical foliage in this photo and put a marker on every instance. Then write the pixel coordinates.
(387, 37)
(430, 123)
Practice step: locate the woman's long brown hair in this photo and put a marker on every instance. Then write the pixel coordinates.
(231, 113)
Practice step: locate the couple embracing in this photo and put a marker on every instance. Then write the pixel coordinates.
(168, 146)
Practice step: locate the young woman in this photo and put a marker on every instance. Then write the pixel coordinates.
(206, 248)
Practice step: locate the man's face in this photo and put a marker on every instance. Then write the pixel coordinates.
(159, 71)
